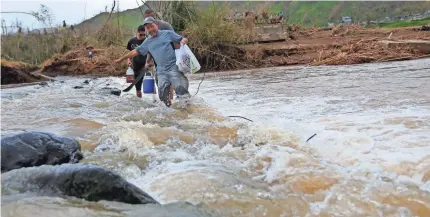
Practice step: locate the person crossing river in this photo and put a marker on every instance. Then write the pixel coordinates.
(159, 45)
(162, 25)
(137, 63)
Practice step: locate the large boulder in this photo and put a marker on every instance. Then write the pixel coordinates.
(90, 182)
(36, 148)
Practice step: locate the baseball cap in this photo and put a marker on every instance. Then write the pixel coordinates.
(148, 20)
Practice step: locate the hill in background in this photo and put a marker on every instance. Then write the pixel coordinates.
(298, 12)
(322, 12)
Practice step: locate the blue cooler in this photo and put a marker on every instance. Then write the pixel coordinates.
(148, 83)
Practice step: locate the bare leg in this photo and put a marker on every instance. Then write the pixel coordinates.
(171, 93)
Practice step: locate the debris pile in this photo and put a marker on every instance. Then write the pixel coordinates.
(365, 51)
(76, 62)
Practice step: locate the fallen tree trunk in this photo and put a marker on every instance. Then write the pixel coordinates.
(22, 85)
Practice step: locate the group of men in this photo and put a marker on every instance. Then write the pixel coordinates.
(156, 41)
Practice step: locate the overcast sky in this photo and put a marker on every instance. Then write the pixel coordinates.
(72, 11)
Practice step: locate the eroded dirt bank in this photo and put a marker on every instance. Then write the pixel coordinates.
(76, 62)
(341, 46)
(13, 72)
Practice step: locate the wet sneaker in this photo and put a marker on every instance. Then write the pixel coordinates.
(139, 94)
(184, 100)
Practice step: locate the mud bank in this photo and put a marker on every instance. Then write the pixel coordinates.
(13, 72)
(76, 62)
(314, 46)
(339, 46)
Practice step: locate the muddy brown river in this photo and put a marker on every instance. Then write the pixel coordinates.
(370, 155)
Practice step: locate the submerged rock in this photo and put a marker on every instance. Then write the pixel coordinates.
(114, 91)
(86, 181)
(44, 83)
(37, 148)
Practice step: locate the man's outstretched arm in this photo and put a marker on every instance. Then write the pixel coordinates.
(140, 50)
(130, 55)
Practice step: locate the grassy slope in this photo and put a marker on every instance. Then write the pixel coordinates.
(129, 19)
(302, 12)
(406, 23)
(320, 13)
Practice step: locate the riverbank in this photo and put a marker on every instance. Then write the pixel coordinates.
(14, 72)
(341, 45)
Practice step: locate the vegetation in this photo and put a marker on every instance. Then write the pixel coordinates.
(34, 48)
(209, 26)
(127, 20)
(405, 23)
(204, 22)
(297, 12)
(205, 26)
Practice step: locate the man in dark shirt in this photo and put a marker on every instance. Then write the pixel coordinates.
(137, 63)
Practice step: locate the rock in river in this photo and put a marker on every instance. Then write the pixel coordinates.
(37, 148)
(113, 91)
(90, 182)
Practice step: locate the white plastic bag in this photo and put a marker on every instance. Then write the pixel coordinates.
(186, 61)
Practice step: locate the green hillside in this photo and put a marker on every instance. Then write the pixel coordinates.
(320, 13)
(128, 19)
(406, 23)
(299, 12)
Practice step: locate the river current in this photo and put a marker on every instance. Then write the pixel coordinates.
(370, 155)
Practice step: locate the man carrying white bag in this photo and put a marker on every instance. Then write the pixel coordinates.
(186, 61)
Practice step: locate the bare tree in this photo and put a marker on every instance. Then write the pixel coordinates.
(47, 15)
(3, 27)
(18, 26)
(44, 15)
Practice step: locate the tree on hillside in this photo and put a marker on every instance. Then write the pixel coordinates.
(64, 24)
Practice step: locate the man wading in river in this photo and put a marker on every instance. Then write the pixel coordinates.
(159, 45)
(137, 63)
(162, 25)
